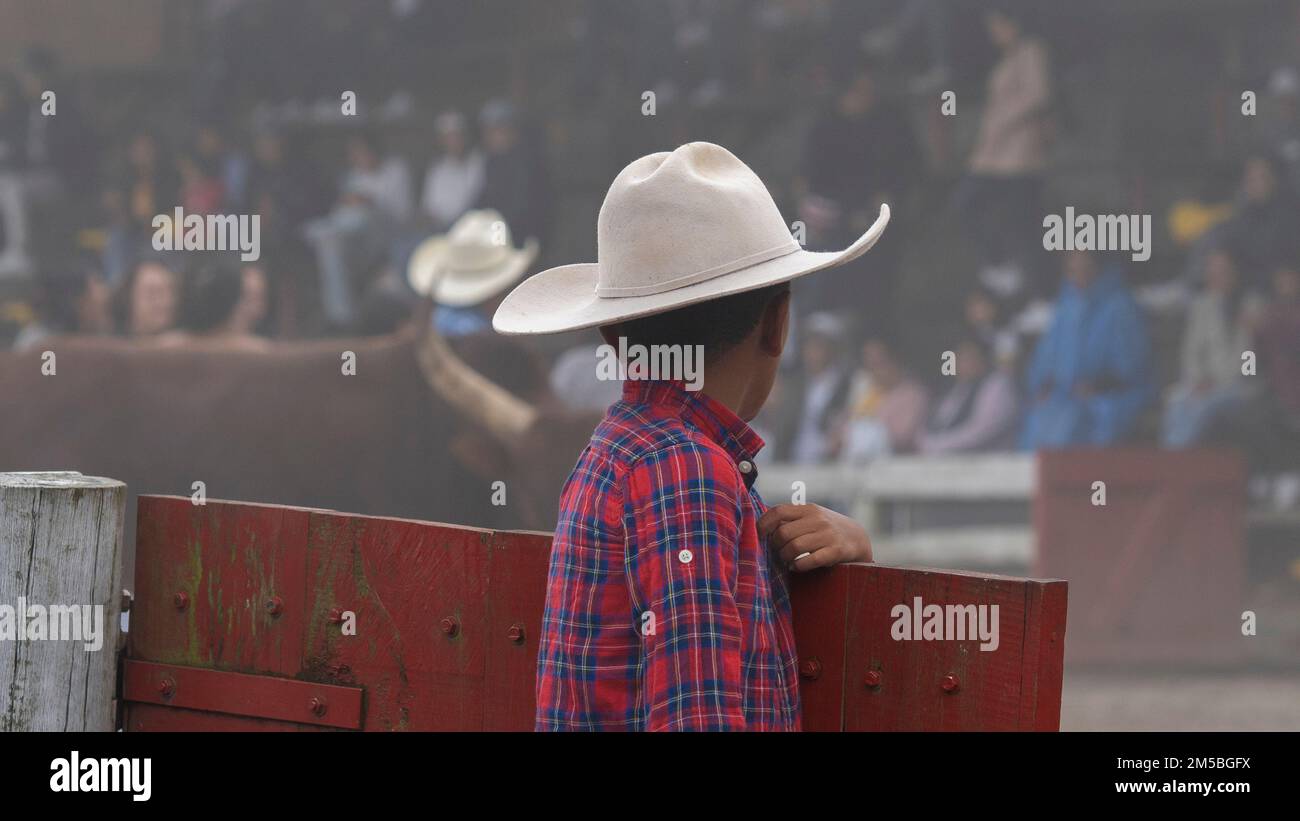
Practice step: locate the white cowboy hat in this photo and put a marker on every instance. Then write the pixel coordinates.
(676, 228)
(473, 261)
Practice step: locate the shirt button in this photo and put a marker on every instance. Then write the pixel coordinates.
(685, 557)
(746, 466)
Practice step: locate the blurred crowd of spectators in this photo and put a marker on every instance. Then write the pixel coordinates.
(1032, 363)
(1049, 349)
(333, 246)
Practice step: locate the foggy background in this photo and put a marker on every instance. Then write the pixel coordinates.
(202, 368)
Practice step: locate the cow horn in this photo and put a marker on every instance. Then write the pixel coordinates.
(506, 416)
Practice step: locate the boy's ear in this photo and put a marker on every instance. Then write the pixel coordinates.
(774, 325)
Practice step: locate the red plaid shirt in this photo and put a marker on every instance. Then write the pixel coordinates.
(664, 610)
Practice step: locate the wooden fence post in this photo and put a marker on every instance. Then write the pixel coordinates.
(60, 600)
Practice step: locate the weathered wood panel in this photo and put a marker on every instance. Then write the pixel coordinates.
(858, 675)
(515, 606)
(209, 589)
(418, 592)
(61, 563)
(447, 620)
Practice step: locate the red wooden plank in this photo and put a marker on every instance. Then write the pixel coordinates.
(1044, 655)
(204, 577)
(418, 592)
(404, 581)
(155, 718)
(911, 694)
(516, 600)
(217, 691)
(867, 680)
(820, 603)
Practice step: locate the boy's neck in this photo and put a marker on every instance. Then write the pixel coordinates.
(731, 382)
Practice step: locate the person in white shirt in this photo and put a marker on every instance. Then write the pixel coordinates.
(822, 382)
(455, 178)
(374, 204)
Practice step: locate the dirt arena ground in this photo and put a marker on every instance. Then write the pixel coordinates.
(1094, 700)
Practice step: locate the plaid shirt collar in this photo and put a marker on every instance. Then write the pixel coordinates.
(704, 413)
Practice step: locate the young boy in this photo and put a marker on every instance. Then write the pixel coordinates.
(667, 606)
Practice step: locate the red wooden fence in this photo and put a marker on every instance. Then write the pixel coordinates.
(240, 615)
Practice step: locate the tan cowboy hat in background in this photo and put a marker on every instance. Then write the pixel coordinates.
(474, 261)
(676, 228)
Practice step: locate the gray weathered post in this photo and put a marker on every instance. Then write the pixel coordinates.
(60, 587)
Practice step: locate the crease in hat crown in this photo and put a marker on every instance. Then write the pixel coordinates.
(676, 218)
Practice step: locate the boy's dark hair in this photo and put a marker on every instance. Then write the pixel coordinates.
(718, 324)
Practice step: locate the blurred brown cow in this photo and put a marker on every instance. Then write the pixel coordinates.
(416, 432)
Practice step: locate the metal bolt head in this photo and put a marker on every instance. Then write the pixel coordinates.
(516, 633)
(274, 606)
(450, 626)
(181, 600)
(872, 679)
(810, 669)
(317, 706)
(166, 688)
(950, 683)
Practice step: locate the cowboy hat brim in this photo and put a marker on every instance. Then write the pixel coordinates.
(459, 289)
(564, 298)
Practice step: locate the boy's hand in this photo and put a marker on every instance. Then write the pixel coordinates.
(825, 536)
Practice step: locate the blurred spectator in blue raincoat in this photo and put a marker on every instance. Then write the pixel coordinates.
(1091, 375)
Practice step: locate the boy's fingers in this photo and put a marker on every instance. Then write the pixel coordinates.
(825, 557)
(807, 543)
(781, 513)
(792, 530)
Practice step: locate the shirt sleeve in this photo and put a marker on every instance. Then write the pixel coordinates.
(683, 517)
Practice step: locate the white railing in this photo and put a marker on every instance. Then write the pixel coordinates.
(861, 490)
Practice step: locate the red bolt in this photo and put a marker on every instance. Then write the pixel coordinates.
(274, 605)
(181, 600)
(950, 683)
(516, 633)
(872, 678)
(166, 687)
(317, 706)
(810, 669)
(451, 627)
(336, 616)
